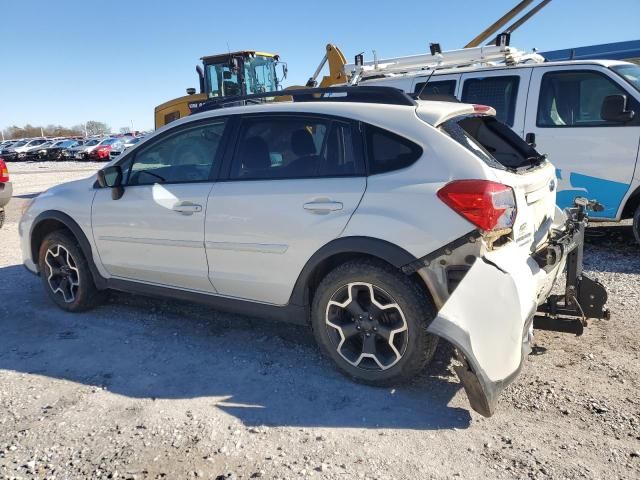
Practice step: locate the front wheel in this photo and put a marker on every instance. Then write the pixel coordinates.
(65, 273)
(371, 320)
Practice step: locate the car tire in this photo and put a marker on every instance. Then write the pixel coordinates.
(1, 217)
(373, 345)
(636, 224)
(65, 273)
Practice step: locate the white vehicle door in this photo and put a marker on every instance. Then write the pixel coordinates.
(292, 183)
(505, 90)
(594, 158)
(155, 232)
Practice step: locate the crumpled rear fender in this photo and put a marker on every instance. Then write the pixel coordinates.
(488, 319)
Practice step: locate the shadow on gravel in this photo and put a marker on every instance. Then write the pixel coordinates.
(611, 248)
(261, 372)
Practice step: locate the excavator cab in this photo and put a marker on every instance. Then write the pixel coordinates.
(226, 75)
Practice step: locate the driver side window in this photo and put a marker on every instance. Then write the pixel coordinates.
(186, 156)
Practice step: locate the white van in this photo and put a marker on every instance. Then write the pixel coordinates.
(585, 115)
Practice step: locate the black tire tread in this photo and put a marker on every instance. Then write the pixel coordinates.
(89, 296)
(420, 298)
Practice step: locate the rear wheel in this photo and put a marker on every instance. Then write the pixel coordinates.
(371, 320)
(65, 273)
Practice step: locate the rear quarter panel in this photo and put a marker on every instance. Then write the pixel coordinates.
(402, 206)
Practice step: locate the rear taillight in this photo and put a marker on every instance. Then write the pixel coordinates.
(4, 172)
(488, 205)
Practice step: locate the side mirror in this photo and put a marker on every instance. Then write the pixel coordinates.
(614, 109)
(285, 71)
(111, 177)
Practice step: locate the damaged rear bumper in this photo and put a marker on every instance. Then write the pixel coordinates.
(488, 318)
(490, 314)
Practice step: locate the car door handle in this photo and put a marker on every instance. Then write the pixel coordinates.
(187, 208)
(323, 206)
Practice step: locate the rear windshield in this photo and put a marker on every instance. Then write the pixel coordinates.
(494, 142)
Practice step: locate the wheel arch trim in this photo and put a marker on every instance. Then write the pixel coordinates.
(357, 245)
(76, 231)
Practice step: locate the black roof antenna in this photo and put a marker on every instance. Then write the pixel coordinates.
(424, 85)
(435, 49)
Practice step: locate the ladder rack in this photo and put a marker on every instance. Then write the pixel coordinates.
(466, 57)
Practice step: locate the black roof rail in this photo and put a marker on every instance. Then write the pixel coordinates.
(357, 94)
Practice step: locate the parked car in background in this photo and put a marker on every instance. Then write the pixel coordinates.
(102, 150)
(80, 152)
(69, 153)
(9, 153)
(119, 147)
(56, 151)
(22, 150)
(37, 152)
(5, 189)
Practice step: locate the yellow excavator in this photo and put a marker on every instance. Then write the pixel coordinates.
(226, 75)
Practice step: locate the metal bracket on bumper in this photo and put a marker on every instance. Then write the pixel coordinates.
(583, 297)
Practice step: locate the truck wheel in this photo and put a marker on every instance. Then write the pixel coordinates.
(371, 320)
(65, 273)
(636, 224)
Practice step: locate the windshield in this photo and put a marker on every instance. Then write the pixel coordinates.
(631, 73)
(18, 144)
(258, 76)
(91, 143)
(109, 141)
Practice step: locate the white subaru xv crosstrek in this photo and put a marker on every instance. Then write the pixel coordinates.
(382, 222)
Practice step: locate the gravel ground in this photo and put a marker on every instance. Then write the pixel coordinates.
(142, 388)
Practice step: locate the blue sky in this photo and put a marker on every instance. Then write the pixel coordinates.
(68, 61)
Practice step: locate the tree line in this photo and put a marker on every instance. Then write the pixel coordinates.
(92, 127)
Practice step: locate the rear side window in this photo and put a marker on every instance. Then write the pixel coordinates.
(387, 151)
(500, 93)
(284, 147)
(434, 90)
(494, 142)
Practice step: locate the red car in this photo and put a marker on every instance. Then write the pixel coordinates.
(5, 189)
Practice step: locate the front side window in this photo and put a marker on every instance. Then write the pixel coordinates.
(387, 151)
(500, 92)
(186, 156)
(574, 99)
(293, 147)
